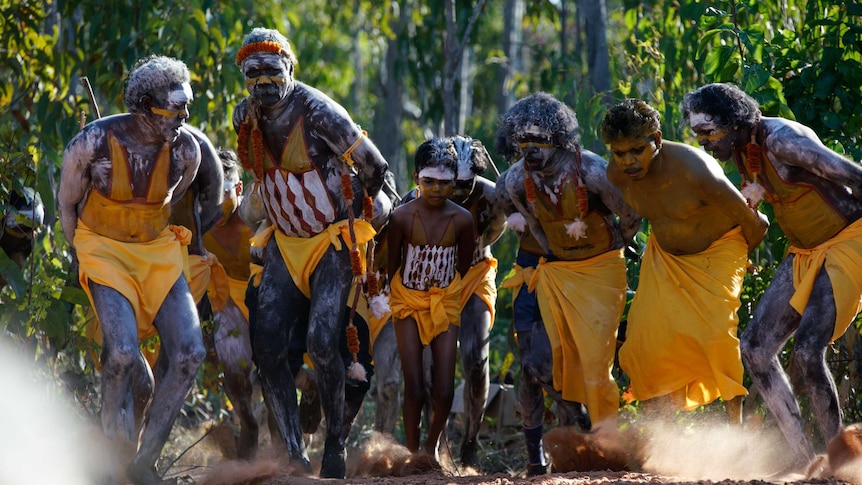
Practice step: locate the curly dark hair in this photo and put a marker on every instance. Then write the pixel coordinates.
(541, 110)
(728, 105)
(436, 152)
(632, 118)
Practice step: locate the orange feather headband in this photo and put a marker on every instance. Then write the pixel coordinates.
(267, 46)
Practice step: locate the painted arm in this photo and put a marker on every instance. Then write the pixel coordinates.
(496, 216)
(75, 178)
(512, 198)
(715, 188)
(188, 152)
(597, 180)
(394, 241)
(209, 182)
(466, 240)
(795, 144)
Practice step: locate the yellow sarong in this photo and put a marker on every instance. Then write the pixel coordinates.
(208, 276)
(143, 273)
(842, 256)
(581, 303)
(237, 294)
(433, 310)
(481, 280)
(301, 254)
(682, 325)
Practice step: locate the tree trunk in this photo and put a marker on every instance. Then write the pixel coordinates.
(513, 16)
(450, 66)
(595, 15)
(387, 120)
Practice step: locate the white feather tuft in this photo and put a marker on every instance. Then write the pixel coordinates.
(517, 222)
(379, 305)
(753, 193)
(577, 229)
(357, 371)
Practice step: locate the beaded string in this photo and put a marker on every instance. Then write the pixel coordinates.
(355, 257)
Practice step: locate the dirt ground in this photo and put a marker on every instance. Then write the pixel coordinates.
(702, 454)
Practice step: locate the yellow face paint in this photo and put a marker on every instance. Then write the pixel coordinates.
(264, 80)
(167, 113)
(532, 144)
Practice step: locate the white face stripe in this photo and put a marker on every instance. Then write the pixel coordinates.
(180, 95)
(701, 120)
(438, 172)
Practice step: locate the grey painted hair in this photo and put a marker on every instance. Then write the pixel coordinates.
(546, 112)
(260, 34)
(153, 76)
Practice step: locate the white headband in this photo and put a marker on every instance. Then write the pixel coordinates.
(439, 172)
(701, 119)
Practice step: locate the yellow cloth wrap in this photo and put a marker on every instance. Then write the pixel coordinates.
(581, 303)
(143, 273)
(433, 310)
(519, 278)
(481, 280)
(842, 256)
(208, 276)
(237, 294)
(682, 325)
(301, 254)
(255, 272)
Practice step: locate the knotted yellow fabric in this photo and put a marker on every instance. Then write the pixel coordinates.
(208, 276)
(143, 273)
(842, 256)
(581, 303)
(481, 280)
(521, 276)
(682, 325)
(434, 310)
(301, 254)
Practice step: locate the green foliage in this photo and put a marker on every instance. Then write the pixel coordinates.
(800, 59)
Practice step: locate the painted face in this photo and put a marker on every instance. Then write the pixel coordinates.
(635, 155)
(436, 185)
(267, 77)
(232, 191)
(175, 112)
(711, 137)
(535, 146)
(463, 188)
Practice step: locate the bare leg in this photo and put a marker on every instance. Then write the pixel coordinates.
(388, 385)
(121, 362)
(773, 324)
(410, 349)
(330, 287)
(532, 404)
(179, 329)
(475, 339)
(233, 347)
(281, 307)
(734, 410)
(444, 348)
(809, 353)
